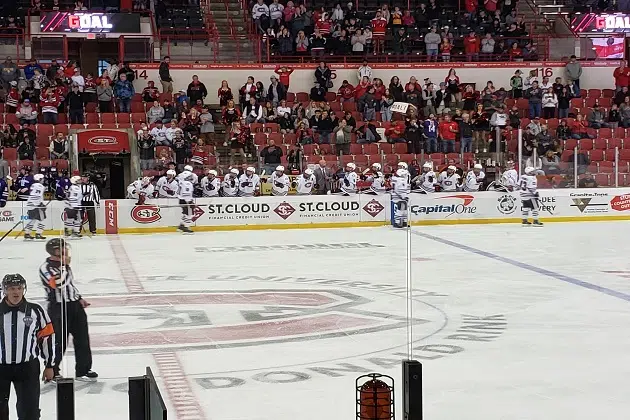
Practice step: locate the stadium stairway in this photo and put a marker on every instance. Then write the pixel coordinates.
(235, 44)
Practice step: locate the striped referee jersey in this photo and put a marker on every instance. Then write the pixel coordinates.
(58, 282)
(90, 194)
(26, 333)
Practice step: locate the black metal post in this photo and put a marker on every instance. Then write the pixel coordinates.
(412, 390)
(65, 399)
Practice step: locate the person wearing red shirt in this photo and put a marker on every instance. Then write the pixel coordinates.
(150, 93)
(579, 128)
(284, 73)
(49, 102)
(491, 5)
(408, 19)
(379, 91)
(448, 130)
(396, 132)
(622, 77)
(515, 52)
(324, 27)
(471, 6)
(471, 46)
(379, 27)
(446, 48)
(224, 93)
(361, 88)
(346, 92)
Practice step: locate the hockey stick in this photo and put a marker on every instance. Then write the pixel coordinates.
(11, 230)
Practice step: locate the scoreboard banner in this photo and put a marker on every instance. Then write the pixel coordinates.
(85, 22)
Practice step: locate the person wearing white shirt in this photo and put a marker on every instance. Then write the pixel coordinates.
(365, 71)
(549, 103)
(253, 112)
(173, 132)
(78, 79)
(159, 134)
(283, 108)
(275, 11)
(546, 84)
(474, 179)
(449, 179)
(499, 118)
(259, 10)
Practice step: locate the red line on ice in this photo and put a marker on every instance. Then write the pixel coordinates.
(124, 263)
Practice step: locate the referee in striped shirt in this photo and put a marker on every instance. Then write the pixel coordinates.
(26, 334)
(66, 309)
(91, 199)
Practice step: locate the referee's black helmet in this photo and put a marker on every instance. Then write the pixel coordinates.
(13, 280)
(56, 245)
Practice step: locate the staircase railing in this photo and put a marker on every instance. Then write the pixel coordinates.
(532, 6)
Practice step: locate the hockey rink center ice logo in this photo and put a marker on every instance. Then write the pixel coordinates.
(284, 210)
(373, 208)
(462, 207)
(146, 214)
(620, 202)
(506, 204)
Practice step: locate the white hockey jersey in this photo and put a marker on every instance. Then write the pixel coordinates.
(248, 185)
(377, 183)
(210, 188)
(509, 179)
(195, 178)
(166, 188)
(473, 182)
(185, 191)
(400, 187)
(135, 189)
(528, 187)
(36, 196)
(279, 184)
(448, 183)
(305, 185)
(229, 186)
(74, 197)
(349, 183)
(427, 181)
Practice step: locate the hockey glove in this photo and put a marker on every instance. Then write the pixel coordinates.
(279, 184)
(233, 184)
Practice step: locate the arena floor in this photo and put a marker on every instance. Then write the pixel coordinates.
(510, 322)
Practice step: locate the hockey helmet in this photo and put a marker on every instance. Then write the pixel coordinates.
(13, 280)
(75, 179)
(351, 165)
(477, 166)
(376, 166)
(529, 170)
(509, 164)
(212, 172)
(402, 165)
(308, 172)
(234, 171)
(146, 180)
(427, 165)
(55, 245)
(402, 172)
(38, 177)
(280, 168)
(171, 172)
(188, 168)
(250, 169)
(452, 168)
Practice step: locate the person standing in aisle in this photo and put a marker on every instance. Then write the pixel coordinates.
(89, 201)
(27, 334)
(66, 309)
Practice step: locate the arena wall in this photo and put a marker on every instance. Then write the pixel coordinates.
(596, 75)
(266, 212)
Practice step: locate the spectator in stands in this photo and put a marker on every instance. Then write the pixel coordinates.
(534, 96)
(196, 90)
(342, 133)
(276, 91)
(170, 111)
(79, 7)
(465, 130)
(247, 91)
(224, 93)
(323, 75)
(487, 45)
(318, 93)
(346, 92)
(318, 44)
(597, 118)
(587, 181)
(271, 156)
(150, 93)
(574, 72)
(158, 133)
(26, 150)
(516, 84)
(78, 79)
(386, 102)
(26, 113)
(155, 113)
(379, 28)
(165, 75)
(59, 147)
(75, 101)
(563, 132)
(269, 112)
(12, 98)
(580, 128)
(146, 146)
(564, 102)
(481, 127)
(535, 126)
(622, 77)
(285, 42)
(546, 142)
(24, 132)
(429, 98)
(29, 69)
(301, 43)
(549, 103)
(430, 131)
(124, 91)
(432, 41)
(324, 128)
(9, 72)
(514, 117)
(614, 117)
(396, 89)
(206, 129)
(253, 112)
(621, 95)
(443, 99)
(260, 14)
(276, 14)
(199, 153)
(448, 131)
(365, 71)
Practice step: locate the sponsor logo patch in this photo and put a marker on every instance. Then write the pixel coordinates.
(145, 214)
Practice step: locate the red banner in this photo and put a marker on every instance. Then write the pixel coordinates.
(103, 141)
(111, 217)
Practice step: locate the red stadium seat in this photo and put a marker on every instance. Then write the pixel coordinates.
(605, 167)
(138, 107)
(9, 154)
(11, 119)
(576, 103)
(620, 132)
(569, 144)
(400, 148)
(256, 127)
(585, 144)
(406, 157)
(349, 106)
(290, 97)
(302, 97)
(608, 93)
(603, 180)
(260, 139)
(270, 128)
(356, 149)
(326, 149)
(609, 155)
(90, 108)
(370, 149)
(335, 106)
(331, 96)
(61, 128)
(600, 144)
(436, 158)
(123, 118)
(290, 138)
(605, 102)
(42, 153)
(594, 93)
(391, 159)
(567, 156)
(62, 119)
(615, 142)
(138, 117)
(624, 154)
(278, 138)
(108, 118)
(385, 148)
(61, 164)
(361, 161)
(92, 118)
(595, 155)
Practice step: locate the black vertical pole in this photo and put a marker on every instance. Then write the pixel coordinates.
(138, 398)
(412, 390)
(65, 399)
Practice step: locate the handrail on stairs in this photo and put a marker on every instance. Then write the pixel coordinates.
(533, 8)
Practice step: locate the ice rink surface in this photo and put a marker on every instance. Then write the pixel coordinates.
(509, 322)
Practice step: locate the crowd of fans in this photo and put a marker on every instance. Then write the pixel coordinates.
(488, 30)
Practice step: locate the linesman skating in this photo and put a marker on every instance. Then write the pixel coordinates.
(26, 333)
(66, 309)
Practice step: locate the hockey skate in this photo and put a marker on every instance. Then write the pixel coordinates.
(537, 224)
(90, 376)
(184, 229)
(525, 223)
(39, 237)
(28, 237)
(77, 235)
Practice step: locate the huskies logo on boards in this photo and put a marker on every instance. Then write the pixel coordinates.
(461, 206)
(373, 208)
(506, 204)
(146, 213)
(284, 210)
